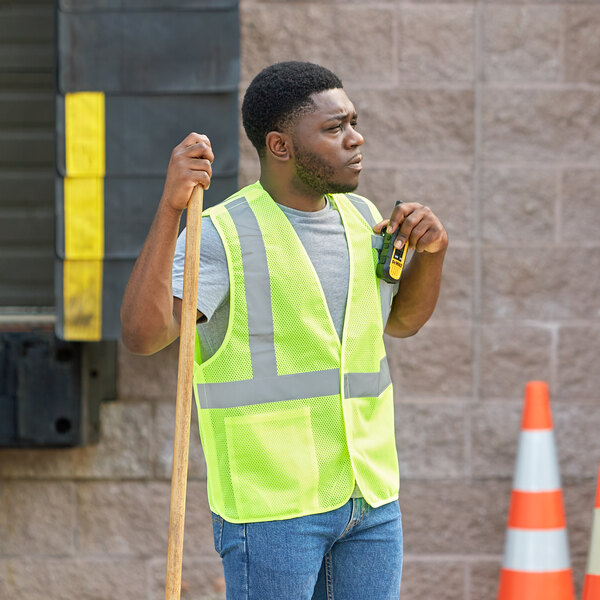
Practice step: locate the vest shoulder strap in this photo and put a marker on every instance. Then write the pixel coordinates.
(365, 208)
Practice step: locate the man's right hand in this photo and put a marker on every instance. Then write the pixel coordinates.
(190, 165)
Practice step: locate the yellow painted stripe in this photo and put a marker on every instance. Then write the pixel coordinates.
(83, 216)
(84, 134)
(82, 289)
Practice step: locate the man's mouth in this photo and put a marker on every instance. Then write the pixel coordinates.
(356, 163)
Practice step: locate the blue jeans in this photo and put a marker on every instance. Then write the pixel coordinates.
(351, 553)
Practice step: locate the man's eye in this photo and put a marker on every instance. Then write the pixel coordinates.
(335, 127)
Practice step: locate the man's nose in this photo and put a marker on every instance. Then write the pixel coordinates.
(356, 139)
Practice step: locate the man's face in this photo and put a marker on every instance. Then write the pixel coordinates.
(326, 144)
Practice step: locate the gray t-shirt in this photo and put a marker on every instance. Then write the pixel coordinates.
(322, 235)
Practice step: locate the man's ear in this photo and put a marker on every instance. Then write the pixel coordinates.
(279, 145)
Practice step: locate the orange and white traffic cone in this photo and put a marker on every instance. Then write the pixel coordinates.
(591, 583)
(536, 562)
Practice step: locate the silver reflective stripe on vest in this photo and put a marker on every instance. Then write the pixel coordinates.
(258, 298)
(266, 386)
(363, 208)
(367, 385)
(377, 241)
(386, 292)
(296, 386)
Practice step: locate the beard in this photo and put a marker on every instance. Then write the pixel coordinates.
(315, 173)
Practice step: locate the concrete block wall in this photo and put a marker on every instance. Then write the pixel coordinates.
(487, 111)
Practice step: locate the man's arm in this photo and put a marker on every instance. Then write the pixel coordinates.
(420, 283)
(150, 316)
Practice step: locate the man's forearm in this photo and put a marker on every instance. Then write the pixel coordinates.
(418, 294)
(147, 321)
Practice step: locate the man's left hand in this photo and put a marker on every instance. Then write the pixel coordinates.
(419, 227)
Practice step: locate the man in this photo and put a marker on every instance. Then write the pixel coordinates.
(293, 392)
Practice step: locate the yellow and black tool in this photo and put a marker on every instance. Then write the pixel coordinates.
(391, 260)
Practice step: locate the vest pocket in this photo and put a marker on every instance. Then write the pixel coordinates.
(273, 463)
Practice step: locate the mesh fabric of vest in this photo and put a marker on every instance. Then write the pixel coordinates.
(283, 459)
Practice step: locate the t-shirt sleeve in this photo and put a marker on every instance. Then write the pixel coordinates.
(213, 275)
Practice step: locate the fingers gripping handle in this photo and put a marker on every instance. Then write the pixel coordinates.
(184, 395)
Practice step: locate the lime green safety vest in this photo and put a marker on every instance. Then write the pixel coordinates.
(290, 417)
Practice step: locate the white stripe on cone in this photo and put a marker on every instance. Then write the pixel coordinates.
(539, 550)
(537, 462)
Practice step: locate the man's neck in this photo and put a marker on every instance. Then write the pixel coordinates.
(283, 192)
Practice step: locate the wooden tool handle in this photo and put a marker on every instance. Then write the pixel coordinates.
(183, 408)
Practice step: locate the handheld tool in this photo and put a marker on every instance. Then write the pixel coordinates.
(391, 260)
(183, 408)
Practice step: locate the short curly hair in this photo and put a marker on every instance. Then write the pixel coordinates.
(279, 94)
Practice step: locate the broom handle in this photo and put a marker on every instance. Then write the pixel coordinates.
(183, 407)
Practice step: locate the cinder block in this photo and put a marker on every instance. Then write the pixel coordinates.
(579, 495)
(456, 295)
(437, 43)
(582, 31)
(299, 31)
(431, 440)
(577, 438)
(579, 221)
(511, 355)
(201, 577)
(61, 579)
(379, 186)
(123, 451)
(541, 125)
(123, 518)
(518, 205)
(577, 355)
(522, 43)
(432, 578)
(149, 377)
(484, 576)
(534, 283)
(495, 428)
(37, 518)
(411, 125)
(164, 432)
(131, 519)
(458, 517)
(449, 194)
(435, 363)
(578, 564)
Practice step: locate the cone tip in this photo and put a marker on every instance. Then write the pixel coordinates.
(536, 410)
(597, 503)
